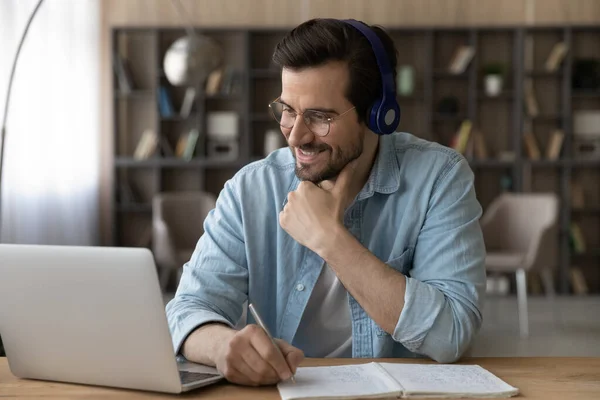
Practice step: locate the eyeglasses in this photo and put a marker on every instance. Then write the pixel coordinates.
(316, 121)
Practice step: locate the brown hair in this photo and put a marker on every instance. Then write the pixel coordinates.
(317, 41)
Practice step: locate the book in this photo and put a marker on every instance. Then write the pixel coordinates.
(555, 145)
(379, 380)
(556, 56)
(190, 144)
(461, 59)
(188, 102)
(146, 146)
(461, 138)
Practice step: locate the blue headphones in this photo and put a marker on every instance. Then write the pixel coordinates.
(383, 116)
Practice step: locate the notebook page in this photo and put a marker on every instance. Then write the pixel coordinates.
(448, 380)
(339, 382)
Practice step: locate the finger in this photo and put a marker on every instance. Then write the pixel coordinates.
(326, 185)
(293, 355)
(262, 370)
(344, 178)
(271, 354)
(241, 373)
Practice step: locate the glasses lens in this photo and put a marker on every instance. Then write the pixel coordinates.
(283, 114)
(317, 122)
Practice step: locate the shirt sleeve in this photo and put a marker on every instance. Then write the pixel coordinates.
(214, 283)
(444, 293)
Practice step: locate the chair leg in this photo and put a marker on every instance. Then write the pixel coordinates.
(550, 293)
(522, 300)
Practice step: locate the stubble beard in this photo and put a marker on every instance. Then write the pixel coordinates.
(335, 163)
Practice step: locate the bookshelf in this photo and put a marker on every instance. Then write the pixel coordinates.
(436, 109)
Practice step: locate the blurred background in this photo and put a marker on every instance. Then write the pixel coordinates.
(125, 123)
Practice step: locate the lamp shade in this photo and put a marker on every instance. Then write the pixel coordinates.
(190, 59)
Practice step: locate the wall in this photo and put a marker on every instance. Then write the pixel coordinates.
(290, 13)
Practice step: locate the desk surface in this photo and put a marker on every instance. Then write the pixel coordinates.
(537, 378)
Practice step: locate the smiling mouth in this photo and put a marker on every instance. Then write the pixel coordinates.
(306, 156)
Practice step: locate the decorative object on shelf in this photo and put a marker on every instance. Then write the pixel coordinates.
(406, 80)
(493, 75)
(273, 141)
(448, 106)
(586, 74)
(586, 132)
(190, 59)
(222, 132)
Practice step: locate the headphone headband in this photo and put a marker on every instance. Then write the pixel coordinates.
(384, 115)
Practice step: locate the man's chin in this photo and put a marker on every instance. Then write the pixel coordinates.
(314, 173)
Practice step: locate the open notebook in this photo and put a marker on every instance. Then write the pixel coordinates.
(377, 380)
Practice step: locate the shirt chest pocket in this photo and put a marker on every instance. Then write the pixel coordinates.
(402, 263)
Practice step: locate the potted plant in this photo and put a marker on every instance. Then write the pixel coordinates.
(493, 78)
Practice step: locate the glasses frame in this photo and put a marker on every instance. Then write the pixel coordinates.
(329, 119)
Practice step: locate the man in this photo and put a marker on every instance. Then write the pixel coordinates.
(349, 243)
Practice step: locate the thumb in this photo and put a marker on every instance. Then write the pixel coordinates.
(345, 176)
(293, 355)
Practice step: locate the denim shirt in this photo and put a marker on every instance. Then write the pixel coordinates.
(417, 212)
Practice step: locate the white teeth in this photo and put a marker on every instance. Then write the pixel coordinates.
(307, 153)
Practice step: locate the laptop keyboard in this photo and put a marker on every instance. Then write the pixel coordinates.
(189, 377)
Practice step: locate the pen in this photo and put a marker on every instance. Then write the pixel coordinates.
(262, 325)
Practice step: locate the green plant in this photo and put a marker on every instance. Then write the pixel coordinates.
(495, 68)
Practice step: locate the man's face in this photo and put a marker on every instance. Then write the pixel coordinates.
(321, 88)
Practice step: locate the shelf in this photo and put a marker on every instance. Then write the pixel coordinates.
(177, 118)
(178, 163)
(134, 208)
(586, 94)
(491, 163)
(448, 118)
(591, 253)
(410, 98)
(583, 163)
(546, 163)
(445, 74)
(586, 210)
(546, 118)
(541, 73)
(224, 96)
(505, 95)
(145, 94)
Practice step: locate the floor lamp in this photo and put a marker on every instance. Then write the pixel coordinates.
(6, 104)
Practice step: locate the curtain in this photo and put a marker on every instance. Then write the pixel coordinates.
(51, 176)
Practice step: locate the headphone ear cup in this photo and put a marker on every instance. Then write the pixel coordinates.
(383, 118)
(373, 117)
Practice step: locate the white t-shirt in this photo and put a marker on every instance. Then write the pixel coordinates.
(325, 329)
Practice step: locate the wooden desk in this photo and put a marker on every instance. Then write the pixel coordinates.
(537, 378)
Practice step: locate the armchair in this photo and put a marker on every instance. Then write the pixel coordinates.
(520, 231)
(177, 224)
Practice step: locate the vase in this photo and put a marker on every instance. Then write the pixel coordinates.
(493, 85)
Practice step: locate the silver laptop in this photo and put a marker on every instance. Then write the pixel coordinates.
(90, 315)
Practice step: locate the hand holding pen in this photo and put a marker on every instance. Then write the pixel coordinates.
(252, 357)
(264, 327)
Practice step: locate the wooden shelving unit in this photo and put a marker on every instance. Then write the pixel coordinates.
(502, 120)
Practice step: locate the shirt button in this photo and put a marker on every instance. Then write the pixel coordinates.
(299, 287)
